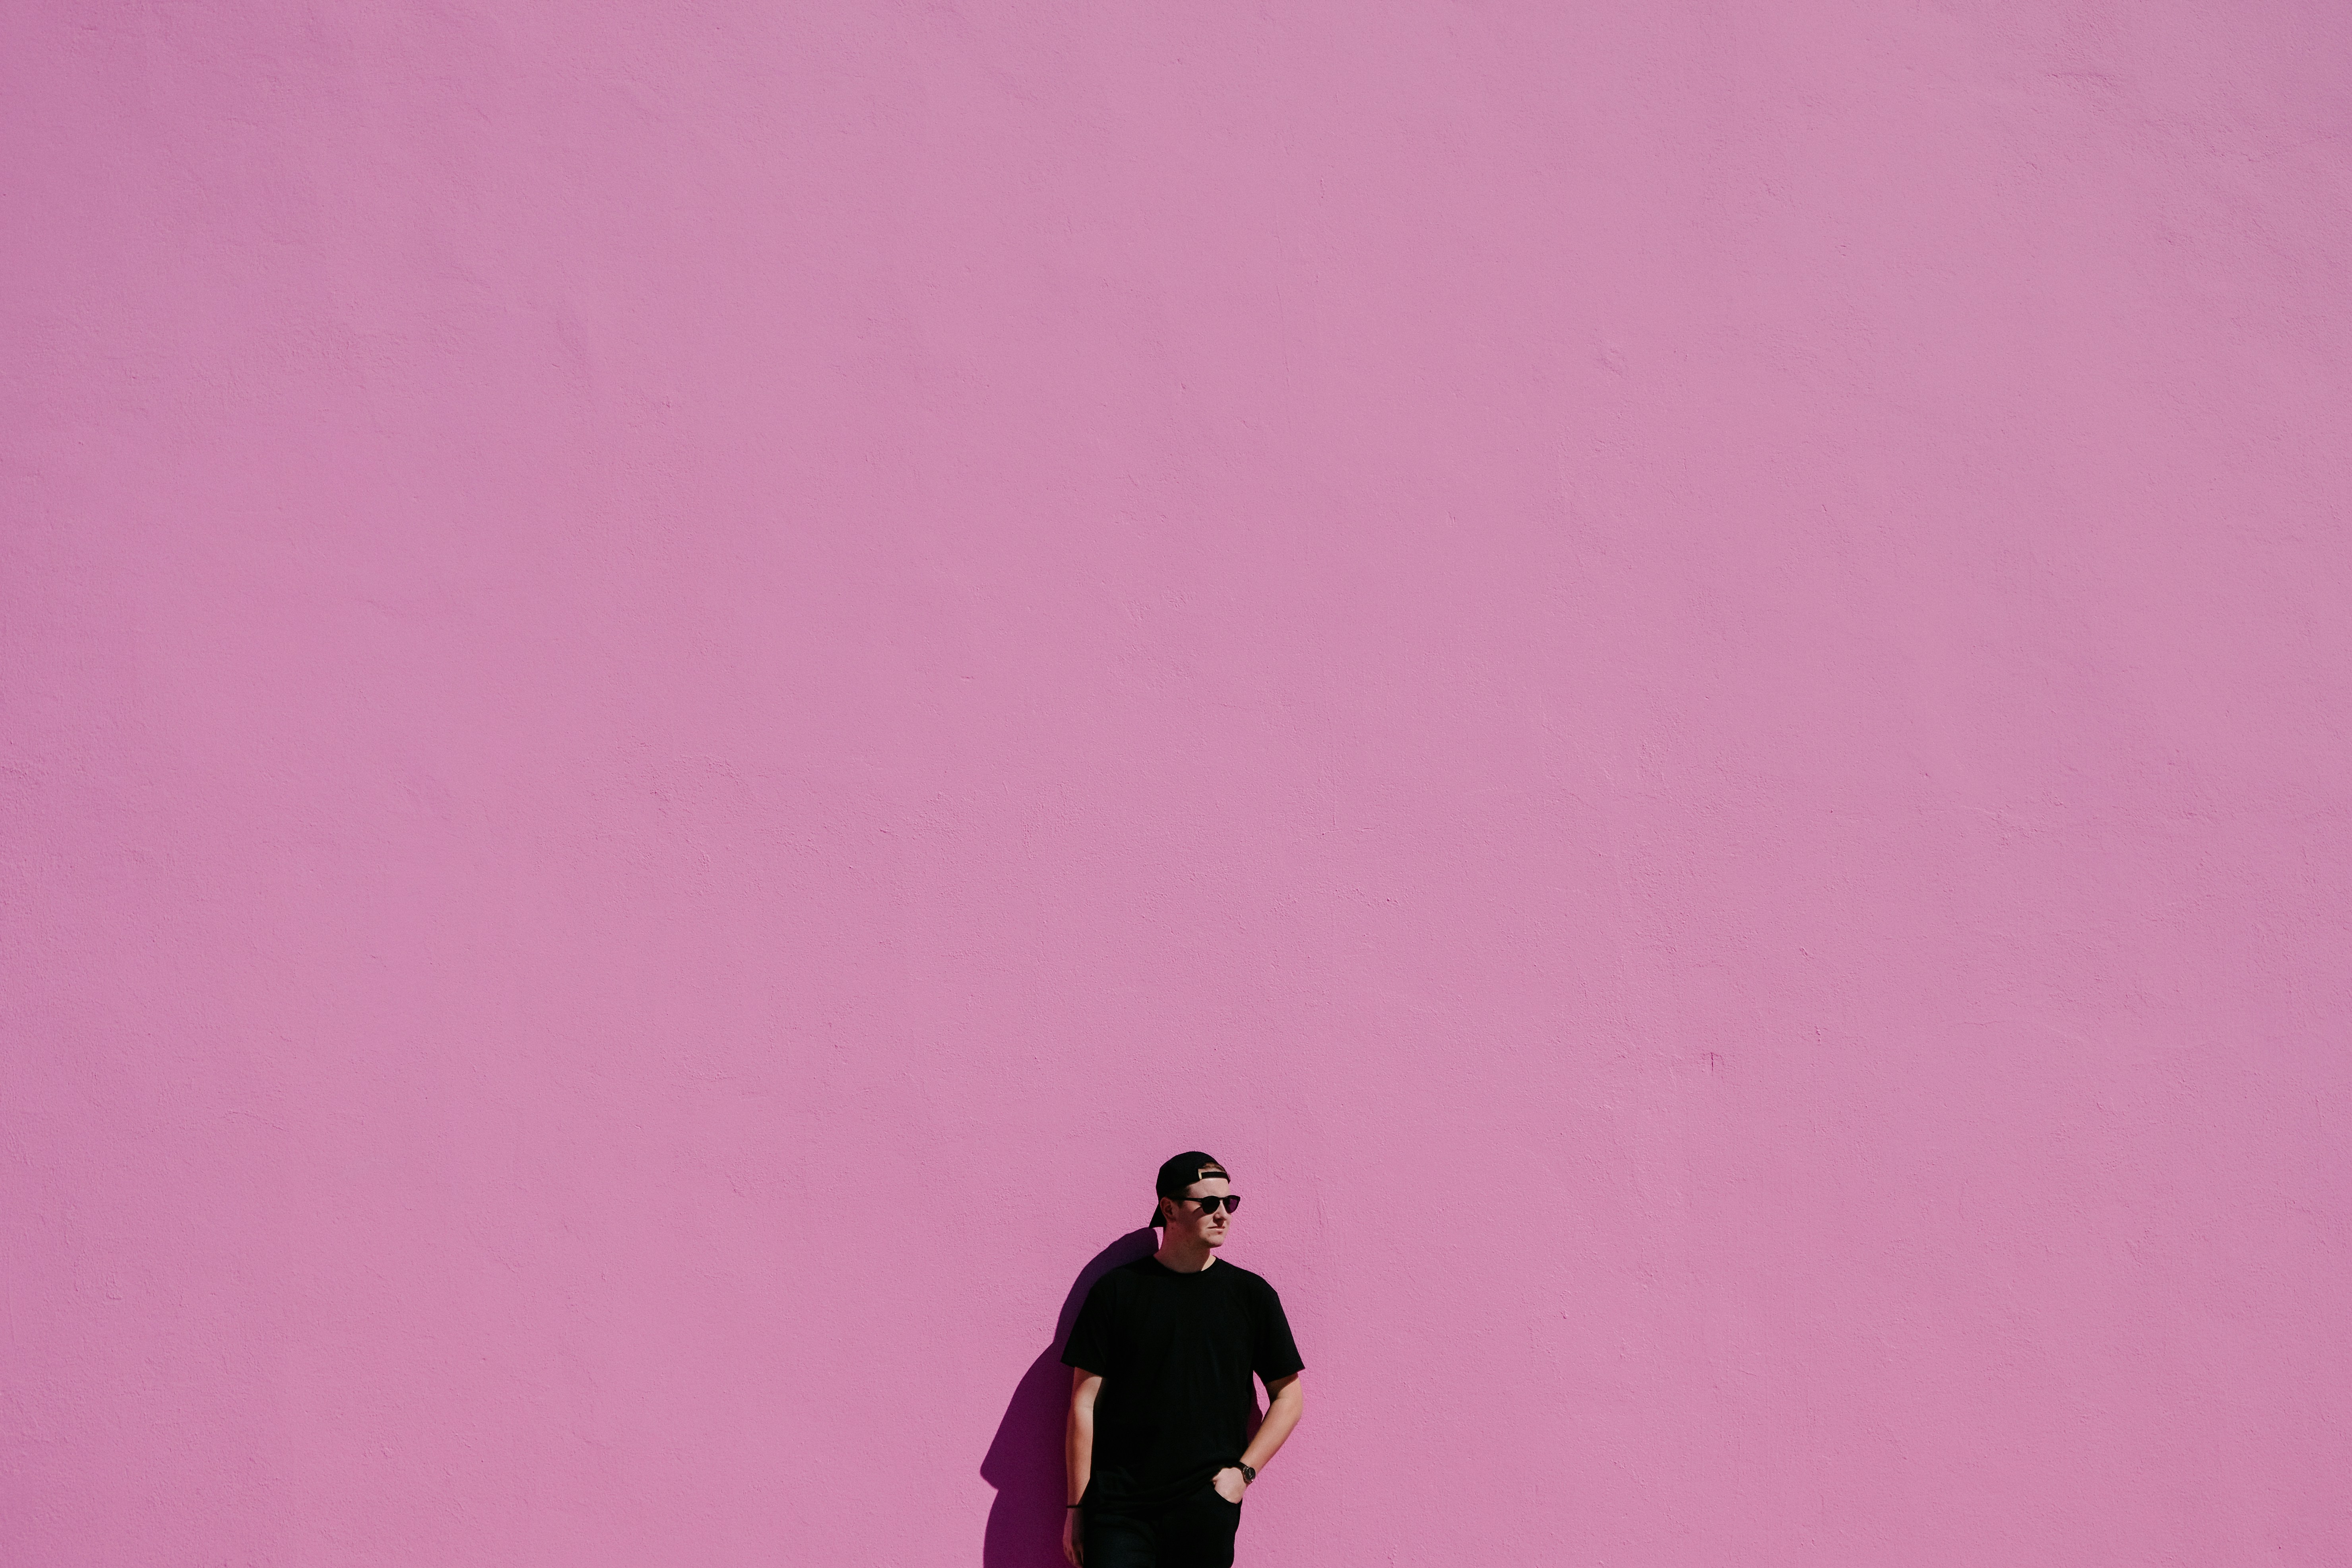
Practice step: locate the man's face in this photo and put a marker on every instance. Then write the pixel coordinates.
(1192, 1219)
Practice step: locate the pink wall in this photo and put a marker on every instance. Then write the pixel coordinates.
(682, 680)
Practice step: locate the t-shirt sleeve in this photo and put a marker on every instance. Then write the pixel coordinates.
(1273, 1353)
(1089, 1346)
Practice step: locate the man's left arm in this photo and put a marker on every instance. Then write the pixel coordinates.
(1285, 1404)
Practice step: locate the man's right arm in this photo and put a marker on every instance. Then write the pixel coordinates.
(1078, 1454)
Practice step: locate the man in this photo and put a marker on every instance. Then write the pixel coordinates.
(1159, 1447)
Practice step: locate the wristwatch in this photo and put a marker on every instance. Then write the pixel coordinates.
(1248, 1472)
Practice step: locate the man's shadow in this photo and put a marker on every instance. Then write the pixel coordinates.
(1024, 1462)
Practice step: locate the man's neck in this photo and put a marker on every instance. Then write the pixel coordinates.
(1185, 1256)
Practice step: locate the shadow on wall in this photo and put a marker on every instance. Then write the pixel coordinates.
(1025, 1461)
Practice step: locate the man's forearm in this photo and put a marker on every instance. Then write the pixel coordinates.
(1078, 1451)
(1282, 1414)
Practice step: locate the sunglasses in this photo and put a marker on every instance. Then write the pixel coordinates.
(1233, 1201)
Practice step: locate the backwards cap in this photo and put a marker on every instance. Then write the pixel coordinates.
(1181, 1172)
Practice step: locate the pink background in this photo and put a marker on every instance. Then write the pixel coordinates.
(682, 680)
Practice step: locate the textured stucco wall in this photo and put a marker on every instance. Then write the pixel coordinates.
(681, 680)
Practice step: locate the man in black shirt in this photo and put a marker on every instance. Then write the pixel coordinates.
(1160, 1446)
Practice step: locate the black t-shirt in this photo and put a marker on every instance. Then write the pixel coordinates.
(1175, 1351)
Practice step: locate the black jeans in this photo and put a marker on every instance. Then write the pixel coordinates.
(1196, 1531)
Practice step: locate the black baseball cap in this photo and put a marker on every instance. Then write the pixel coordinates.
(1182, 1172)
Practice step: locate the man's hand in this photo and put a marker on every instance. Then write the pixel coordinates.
(1073, 1546)
(1229, 1483)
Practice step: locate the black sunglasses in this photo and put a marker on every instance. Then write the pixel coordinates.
(1233, 1201)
